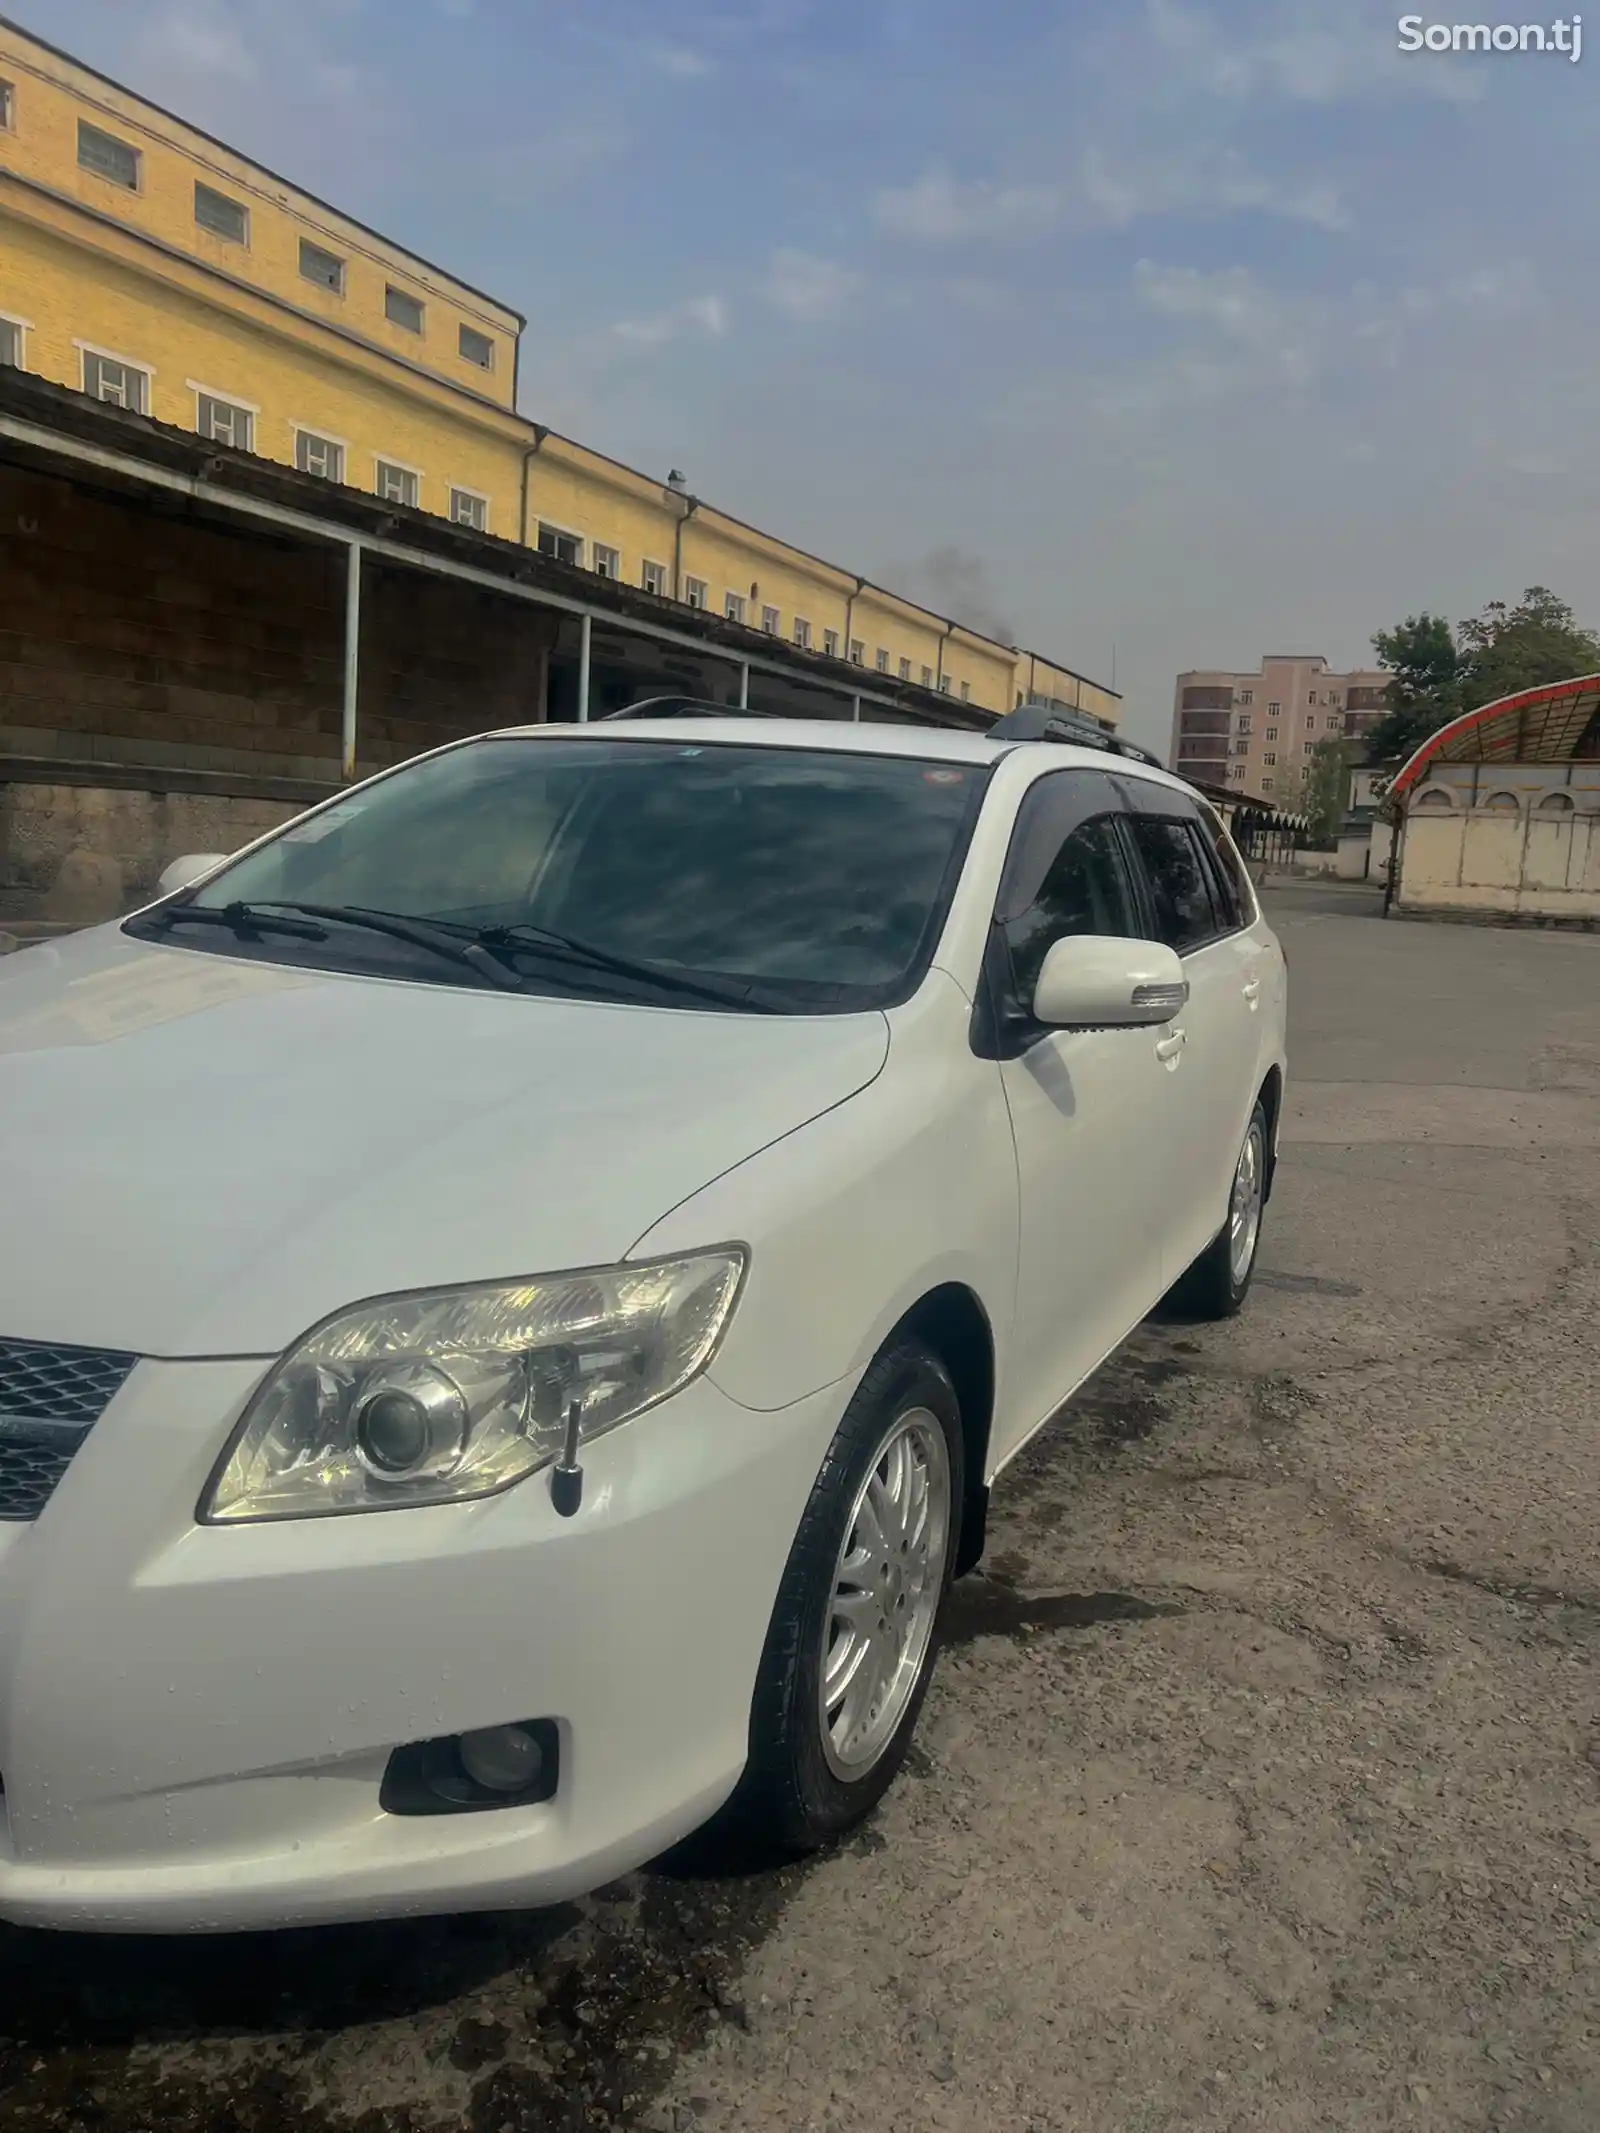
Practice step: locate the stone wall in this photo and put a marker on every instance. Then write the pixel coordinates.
(136, 631)
(80, 853)
(198, 666)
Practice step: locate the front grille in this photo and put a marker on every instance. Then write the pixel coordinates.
(50, 1399)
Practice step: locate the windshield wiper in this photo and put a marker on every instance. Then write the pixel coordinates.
(245, 920)
(442, 941)
(567, 947)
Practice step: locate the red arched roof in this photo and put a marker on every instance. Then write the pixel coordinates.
(1551, 724)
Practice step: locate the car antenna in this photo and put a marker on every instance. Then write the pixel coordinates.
(566, 1482)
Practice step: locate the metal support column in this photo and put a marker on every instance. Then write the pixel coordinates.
(855, 709)
(352, 652)
(585, 641)
(744, 685)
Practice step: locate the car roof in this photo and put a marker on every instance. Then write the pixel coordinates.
(943, 744)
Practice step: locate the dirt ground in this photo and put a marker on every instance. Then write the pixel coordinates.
(1260, 1784)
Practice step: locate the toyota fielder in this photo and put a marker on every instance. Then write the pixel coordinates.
(515, 1288)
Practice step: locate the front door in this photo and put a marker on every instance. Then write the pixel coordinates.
(1091, 1110)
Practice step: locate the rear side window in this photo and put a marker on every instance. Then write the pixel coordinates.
(1179, 881)
(1230, 883)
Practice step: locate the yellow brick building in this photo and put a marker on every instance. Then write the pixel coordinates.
(147, 264)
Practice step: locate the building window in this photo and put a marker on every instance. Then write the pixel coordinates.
(858, 652)
(927, 681)
(326, 269)
(830, 643)
(1310, 747)
(1242, 723)
(802, 633)
(733, 606)
(401, 308)
(1269, 759)
(1247, 696)
(1272, 733)
(696, 593)
(318, 455)
(1266, 785)
(223, 217)
(883, 660)
(1273, 710)
(1241, 747)
(8, 107)
(653, 577)
(1310, 724)
(108, 157)
(905, 670)
(467, 508)
(966, 692)
(1335, 723)
(476, 348)
(10, 344)
(944, 685)
(1236, 770)
(1311, 696)
(769, 621)
(119, 384)
(561, 547)
(604, 562)
(397, 484)
(223, 422)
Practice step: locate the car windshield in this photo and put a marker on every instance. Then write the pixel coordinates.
(814, 879)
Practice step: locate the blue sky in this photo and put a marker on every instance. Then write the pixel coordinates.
(1196, 331)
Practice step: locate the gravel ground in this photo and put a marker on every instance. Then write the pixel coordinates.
(1260, 1784)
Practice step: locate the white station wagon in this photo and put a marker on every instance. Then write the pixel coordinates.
(514, 1291)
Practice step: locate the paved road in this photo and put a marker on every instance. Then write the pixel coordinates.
(1260, 1787)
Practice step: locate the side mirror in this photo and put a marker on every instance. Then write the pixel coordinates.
(1089, 982)
(190, 868)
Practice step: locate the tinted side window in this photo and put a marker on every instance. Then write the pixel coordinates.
(1179, 880)
(1084, 890)
(1230, 881)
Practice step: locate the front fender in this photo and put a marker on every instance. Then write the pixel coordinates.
(907, 1185)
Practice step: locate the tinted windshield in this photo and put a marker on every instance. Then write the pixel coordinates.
(819, 876)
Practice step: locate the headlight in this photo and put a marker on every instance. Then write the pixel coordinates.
(455, 1393)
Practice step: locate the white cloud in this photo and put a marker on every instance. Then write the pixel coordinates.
(1210, 184)
(1296, 55)
(807, 288)
(940, 209)
(679, 62)
(201, 37)
(706, 315)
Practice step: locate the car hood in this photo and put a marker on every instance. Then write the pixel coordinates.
(201, 1155)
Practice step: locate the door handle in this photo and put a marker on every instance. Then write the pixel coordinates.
(1252, 990)
(1168, 1048)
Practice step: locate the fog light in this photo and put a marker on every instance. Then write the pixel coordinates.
(514, 1765)
(501, 1758)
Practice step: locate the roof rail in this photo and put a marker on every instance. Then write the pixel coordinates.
(1041, 722)
(682, 707)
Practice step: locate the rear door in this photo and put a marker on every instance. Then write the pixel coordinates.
(1090, 1110)
(1192, 905)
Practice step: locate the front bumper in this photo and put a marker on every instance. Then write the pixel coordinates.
(194, 1721)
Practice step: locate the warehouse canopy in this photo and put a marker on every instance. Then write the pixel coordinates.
(1557, 723)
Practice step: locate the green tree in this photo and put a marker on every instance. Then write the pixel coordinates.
(1506, 649)
(1324, 789)
(1435, 674)
(1425, 690)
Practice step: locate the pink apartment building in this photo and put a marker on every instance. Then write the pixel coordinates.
(1255, 732)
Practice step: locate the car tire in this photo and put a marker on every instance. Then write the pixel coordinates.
(1219, 1280)
(894, 1476)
